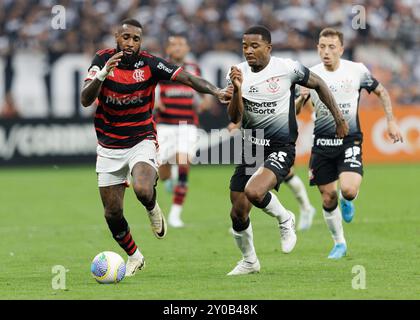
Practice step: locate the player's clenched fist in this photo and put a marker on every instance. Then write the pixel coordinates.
(113, 61)
(342, 128)
(109, 66)
(394, 132)
(235, 76)
(304, 92)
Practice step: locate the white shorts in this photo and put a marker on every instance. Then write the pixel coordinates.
(175, 139)
(114, 166)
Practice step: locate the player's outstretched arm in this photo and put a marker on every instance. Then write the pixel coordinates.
(236, 105)
(91, 88)
(201, 85)
(315, 82)
(206, 103)
(393, 130)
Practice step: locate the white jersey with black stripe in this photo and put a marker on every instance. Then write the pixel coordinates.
(345, 83)
(268, 97)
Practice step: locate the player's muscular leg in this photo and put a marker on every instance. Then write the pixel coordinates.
(164, 171)
(241, 207)
(144, 181)
(113, 200)
(260, 183)
(350, 184)
(329, 195)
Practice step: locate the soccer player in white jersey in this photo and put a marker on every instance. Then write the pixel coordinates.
(263, 101)
(335, 159)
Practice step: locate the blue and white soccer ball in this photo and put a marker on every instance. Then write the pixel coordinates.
(108, 267)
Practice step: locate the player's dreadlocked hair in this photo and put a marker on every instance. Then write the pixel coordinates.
(263, 31)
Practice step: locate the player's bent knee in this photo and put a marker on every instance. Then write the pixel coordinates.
(329, 199)
(240, 214)
(164, 176)
(349, 193)
(254, 195)
(164, 173)
(240, 221)
(143, 193)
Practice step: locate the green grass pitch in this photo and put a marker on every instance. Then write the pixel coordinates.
(53, 216)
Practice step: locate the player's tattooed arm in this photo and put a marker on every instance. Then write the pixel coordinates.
(236, 105)
(393, 130)
(201, 85)
(316, 83)
(90, 91)
(91, 88)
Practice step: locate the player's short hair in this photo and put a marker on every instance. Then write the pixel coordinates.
(132, 22)
(331, 32)
(261, 30)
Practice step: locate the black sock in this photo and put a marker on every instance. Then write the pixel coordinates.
(152, 203)
(121, 233)
(264, 203)
(330, 209)
(239, 226)
(183, 174)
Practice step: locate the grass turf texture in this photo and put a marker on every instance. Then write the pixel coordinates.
(53, 216)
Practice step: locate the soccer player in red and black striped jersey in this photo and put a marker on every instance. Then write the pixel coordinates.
(177, 120)
(123, 79)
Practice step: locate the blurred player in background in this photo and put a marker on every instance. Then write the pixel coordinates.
(124, 79)
(334, 159)
(177, 108)
(263, 98)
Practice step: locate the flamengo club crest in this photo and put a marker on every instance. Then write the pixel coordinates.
(138, 75)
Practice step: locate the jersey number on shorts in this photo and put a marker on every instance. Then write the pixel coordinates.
(278, 156)
(352, 152)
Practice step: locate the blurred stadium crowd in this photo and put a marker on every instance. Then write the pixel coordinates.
(392, 29)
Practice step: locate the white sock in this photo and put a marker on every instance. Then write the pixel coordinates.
(175, 212)
(298, 188)
(334, 223)
(276, 209)
(245, 241)
(136, 255)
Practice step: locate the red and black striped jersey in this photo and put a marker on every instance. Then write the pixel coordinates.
(178, 100)
(125, 103)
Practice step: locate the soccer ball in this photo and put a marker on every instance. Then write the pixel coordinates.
(108, 267)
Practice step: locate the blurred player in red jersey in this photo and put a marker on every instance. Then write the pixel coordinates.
(177, 120)
(123, 79)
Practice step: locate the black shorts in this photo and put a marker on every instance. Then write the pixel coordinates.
(278, 159)
(327, 162)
